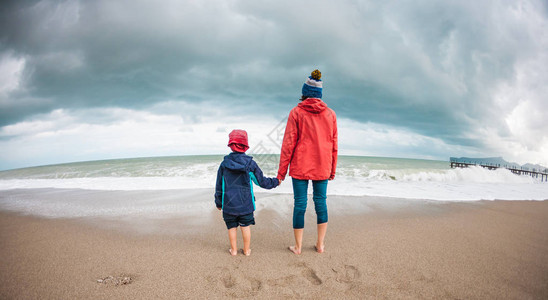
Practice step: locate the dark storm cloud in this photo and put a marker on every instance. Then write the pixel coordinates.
(430, 66)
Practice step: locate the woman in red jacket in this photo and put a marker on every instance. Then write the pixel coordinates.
(310, 150)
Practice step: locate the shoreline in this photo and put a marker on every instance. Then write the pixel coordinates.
(425, 249)
(186, 203)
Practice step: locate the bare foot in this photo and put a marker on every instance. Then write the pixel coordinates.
(319, 249)
(233, 253)
(294, 250)
(248, 253)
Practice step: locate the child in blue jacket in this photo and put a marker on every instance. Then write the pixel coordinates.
(234, 190)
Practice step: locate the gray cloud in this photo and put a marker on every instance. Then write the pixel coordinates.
(431, 66)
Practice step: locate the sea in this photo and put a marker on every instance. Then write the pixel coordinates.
(151, 185)
(356, 176)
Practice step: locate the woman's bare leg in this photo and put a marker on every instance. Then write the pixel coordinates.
(322, 229)
(298, 241)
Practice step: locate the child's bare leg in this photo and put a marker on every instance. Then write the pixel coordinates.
(232, 237)
(298, 241)
(322, 229)
(246, 234)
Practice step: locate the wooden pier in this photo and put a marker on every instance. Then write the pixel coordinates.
(534, 173)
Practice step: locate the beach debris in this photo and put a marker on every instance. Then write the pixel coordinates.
(115, 280)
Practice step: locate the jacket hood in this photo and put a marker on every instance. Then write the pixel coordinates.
(236, 161)
(313, 105)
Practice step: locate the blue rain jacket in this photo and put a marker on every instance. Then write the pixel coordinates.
(234, 187)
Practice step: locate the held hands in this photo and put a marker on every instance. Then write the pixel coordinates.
(279, 180)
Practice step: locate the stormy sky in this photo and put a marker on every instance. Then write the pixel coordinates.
(85, 80)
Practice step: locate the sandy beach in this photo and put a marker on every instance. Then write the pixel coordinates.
(402, 249)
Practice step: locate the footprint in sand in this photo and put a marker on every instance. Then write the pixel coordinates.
(255, 285)
(283, 281)
(227, 279)
(239, 286)
(285, 286)
(348, 274)
(310, 274)
(248, 288)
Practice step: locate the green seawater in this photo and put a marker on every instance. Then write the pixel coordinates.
(202, 165)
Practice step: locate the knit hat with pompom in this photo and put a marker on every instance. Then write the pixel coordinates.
(312, 87)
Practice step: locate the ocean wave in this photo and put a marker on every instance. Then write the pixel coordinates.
(438, 187)
(355, 176)
(472, 174)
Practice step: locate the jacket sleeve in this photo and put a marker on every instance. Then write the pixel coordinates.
(335, 147)
(289, 143)
(260, 179)
(219, 188)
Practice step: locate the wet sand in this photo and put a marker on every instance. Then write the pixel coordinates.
(427, 249)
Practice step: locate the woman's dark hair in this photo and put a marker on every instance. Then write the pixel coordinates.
(303, 98)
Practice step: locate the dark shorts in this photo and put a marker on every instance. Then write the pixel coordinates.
(235, 221)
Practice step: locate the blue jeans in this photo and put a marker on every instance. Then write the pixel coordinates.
(300, 190)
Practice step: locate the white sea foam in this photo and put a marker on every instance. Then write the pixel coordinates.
(472, 174)
(435, 187)
(409, 179)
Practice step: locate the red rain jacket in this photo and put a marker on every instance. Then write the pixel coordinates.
(310, 142)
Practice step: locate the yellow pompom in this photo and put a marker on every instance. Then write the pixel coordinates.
(316, 74)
